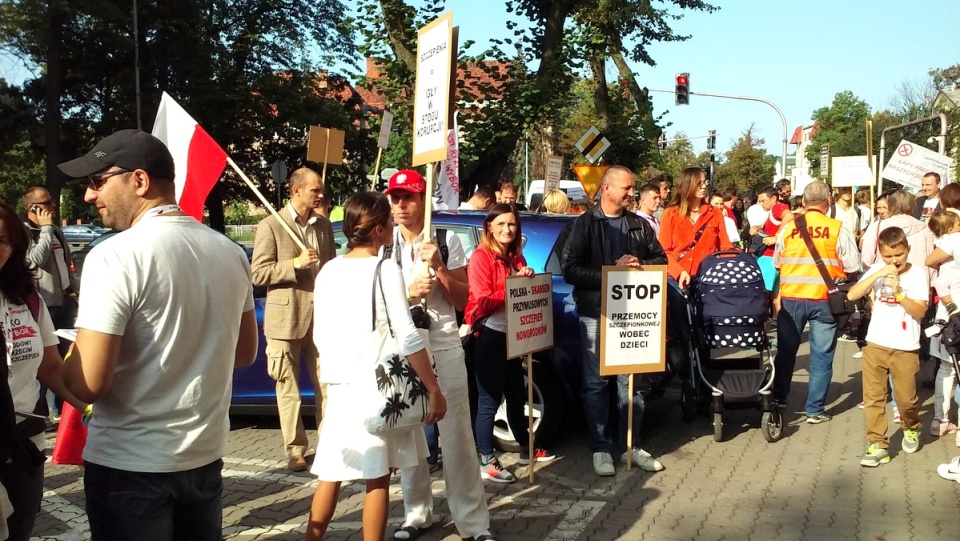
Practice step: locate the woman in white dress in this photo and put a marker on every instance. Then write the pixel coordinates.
(341, 330)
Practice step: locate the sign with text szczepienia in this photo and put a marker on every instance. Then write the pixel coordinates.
(529, 307)
(633, 320)
(431, 102)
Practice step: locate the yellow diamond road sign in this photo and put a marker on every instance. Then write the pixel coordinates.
(593, 144)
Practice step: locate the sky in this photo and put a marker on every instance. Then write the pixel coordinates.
(797, 55)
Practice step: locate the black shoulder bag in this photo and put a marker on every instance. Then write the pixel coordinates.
(840, 306)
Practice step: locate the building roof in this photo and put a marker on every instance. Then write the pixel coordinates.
(947, 99)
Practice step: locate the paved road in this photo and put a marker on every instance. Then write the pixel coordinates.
(806, 486)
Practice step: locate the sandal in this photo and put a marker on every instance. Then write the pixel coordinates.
(408, 533)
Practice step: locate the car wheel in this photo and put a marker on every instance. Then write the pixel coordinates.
(548, 405)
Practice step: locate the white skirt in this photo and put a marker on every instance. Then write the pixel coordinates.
(347, 452)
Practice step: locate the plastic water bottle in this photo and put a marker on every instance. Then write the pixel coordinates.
(886, 288)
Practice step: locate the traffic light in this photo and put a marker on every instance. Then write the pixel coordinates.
(711, 139)
(682, 96)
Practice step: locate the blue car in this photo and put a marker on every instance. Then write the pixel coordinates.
(556, 372)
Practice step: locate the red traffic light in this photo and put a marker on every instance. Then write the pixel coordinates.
(681, 79)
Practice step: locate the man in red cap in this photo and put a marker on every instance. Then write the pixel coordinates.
(444, 291)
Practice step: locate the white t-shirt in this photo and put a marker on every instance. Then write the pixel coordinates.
(174, 289)
(756, 215)
(929, 208)
(342, 324)
(25, 339)
(891, 326)
(849, 218)
(443, 327)
(948, 276)
(732, 232)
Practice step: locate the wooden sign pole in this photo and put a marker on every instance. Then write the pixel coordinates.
(629, 422)
(326, 157)
(376, 170)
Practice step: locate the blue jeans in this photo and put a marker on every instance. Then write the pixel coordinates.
(597, 397)
(123, 505)
(433, 442)
(498, 379)
(793, 317)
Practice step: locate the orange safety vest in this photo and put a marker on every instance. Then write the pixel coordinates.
(799, 276)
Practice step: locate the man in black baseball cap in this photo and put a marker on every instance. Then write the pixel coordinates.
(143, 171)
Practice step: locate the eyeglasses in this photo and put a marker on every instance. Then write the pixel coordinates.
(97, 180)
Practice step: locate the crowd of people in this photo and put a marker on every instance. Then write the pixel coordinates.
(153, 352)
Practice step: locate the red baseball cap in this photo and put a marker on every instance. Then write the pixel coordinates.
(408, 180)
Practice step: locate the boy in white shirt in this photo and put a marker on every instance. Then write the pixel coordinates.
(893, 341)
(946, 226)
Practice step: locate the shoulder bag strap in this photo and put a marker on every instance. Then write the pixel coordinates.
(373, 301)
(801, 224)
(696, 237)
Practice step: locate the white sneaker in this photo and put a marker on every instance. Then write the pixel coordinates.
(951, 470)
(603, 464)
(858, 355)
(643, 460)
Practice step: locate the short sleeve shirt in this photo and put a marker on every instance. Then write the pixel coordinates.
(890, 325)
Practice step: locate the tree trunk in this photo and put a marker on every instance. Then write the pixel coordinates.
(601, 94)
(54, 88)
(641, 96)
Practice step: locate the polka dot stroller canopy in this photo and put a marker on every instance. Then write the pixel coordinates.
(731, 300)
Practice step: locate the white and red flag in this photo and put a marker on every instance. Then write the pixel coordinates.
(198, 159)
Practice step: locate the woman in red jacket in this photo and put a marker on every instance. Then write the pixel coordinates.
(690, 229)
(497, 257)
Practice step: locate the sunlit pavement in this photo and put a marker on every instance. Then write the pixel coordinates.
(808, 485)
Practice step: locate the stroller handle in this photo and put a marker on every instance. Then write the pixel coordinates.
(724, 253)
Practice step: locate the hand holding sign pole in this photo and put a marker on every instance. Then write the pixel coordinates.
(529, 307)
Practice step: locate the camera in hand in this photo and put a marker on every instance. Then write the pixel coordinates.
(421, 319)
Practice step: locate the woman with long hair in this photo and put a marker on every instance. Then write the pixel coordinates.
(346, 451)
(690, 229)
(497, 257)
(32, 358)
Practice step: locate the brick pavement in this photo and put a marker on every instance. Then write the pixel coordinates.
(808, 485)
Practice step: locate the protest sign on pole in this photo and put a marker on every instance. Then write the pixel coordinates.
(431, 103)
(325, 145)
(551, 179)
(529, 307)
(386, 125)
(911, 161)
(633, 326)
(851, 171)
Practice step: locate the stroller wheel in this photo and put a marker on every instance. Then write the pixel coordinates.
(771, 424)
(718, 426)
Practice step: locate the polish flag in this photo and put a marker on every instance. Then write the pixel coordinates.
(198, 159)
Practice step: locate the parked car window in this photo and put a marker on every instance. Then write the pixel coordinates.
(468, 237)
(554, 262)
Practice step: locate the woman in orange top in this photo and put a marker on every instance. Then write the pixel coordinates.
(687, 214)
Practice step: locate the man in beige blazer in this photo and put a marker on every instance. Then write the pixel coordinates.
(289, 274)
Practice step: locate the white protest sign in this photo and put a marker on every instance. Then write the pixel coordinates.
(911, 161)
(851, 171)
(529, 305)
(432, 95)
(552, 176)
(633, 320)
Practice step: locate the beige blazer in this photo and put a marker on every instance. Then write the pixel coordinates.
(289, 309)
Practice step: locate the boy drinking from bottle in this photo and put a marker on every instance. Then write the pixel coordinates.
(899, 294)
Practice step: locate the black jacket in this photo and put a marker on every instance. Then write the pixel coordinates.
(922, 200)
(588, 249)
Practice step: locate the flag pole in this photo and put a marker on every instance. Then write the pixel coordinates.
(266, 203)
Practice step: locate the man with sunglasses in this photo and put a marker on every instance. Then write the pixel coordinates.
(167, 314)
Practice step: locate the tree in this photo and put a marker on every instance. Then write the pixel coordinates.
(678, 155)
(496, 114)
(247, 70)
(746, 167)
(842, 126)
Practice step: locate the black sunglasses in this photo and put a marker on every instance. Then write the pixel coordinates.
(97, 180)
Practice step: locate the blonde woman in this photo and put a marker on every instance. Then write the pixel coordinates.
(556, 202)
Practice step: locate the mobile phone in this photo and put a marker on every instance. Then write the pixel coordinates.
(34, 208)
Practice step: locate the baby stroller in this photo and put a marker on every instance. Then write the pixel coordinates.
(729, 311)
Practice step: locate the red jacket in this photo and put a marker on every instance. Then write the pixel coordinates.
(677, 233)
(487, 275)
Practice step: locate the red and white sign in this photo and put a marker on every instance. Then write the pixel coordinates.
(911, 161)
(448, 183)
(197, 158)
(529, 306)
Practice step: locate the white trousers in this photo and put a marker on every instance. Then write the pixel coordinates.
(461, 468)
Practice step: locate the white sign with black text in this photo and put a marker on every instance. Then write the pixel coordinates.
(633, 320)
(529, 307)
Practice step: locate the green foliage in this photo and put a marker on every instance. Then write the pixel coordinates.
(678, 156)
(746, 166)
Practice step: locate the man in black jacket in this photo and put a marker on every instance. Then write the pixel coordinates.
(608, 234)
(928, 204)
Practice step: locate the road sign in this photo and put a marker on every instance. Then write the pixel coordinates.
(824, 161)
(852, 171)
(911, 161)
(554, 171)
(279, 172)
(593, 144)
(590, 177)
(431, 103)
